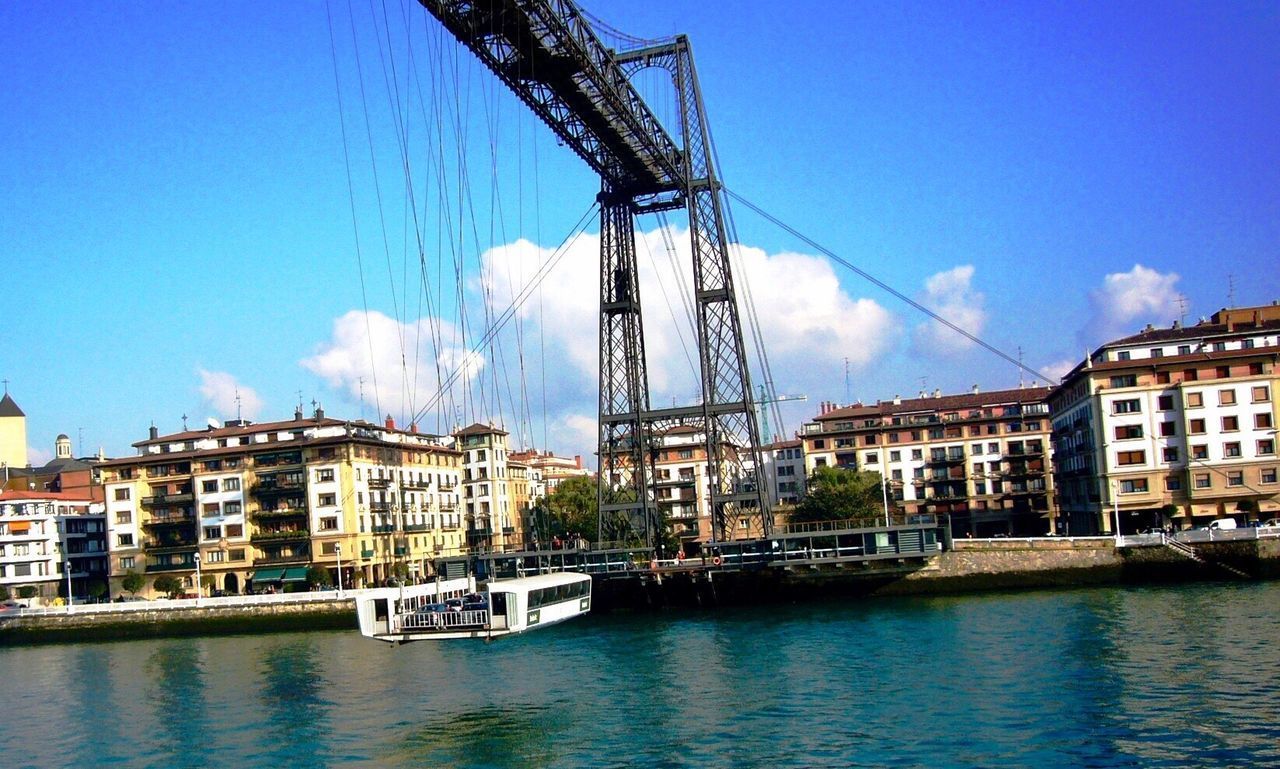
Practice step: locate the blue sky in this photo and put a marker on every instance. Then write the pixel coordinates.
(176, 220)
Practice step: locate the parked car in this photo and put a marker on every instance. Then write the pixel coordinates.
(1222, 524)
(1274, 523)
(11, 607)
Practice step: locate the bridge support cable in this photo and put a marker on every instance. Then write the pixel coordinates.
(884, 286)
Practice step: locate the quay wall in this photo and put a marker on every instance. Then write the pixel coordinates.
(163, 621)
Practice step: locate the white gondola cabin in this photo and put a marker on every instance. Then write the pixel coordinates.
(447, 610)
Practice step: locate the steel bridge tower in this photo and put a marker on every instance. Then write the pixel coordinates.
(546, 52)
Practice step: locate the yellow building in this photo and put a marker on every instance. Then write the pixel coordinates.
(13, 433)
(257, 505)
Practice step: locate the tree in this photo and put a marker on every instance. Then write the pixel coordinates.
(208, 581)
(573, 507)
(318, 577)
(27, 591)
(132, 582)
(4, 594)
(170, 586)
(837, 494)
(96, 589)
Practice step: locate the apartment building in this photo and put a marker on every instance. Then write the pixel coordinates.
(784, 472)
(259, 504)
(979, 459)
(547, 471)
(41, 532)
(495, 489)
(1172, 427)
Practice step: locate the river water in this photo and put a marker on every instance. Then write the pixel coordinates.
(1107, 677)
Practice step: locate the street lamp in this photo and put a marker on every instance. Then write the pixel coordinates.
(884, 492)
(1115, 506)
(196, 557)
(66, 565)
(337, 550)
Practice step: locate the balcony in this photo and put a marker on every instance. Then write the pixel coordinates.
(366, 553)
(170, 520)
(386, 528)
(1025, 452)
(379, 483)
(297, 535)
(380, 507)
(170, 566)
(265, 490)
(272, 559)
(950, 459)
(448, 507)
(412, 484)
(278, 514)
(418, 527)
(400, 550)
(167, 499)
(448, 486)
(170, 542)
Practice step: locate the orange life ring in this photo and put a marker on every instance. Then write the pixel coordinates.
(716, 560)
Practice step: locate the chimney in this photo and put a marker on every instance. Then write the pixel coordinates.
(153, 432)
(1177, 324)
(319, 413)
(391, 423)
(975, 389)
(413, 427)
(937, 393)
(897, 399)
(577, 460)
(297, 414)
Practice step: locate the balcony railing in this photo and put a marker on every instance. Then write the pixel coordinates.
(178, 566)
(366, 553)
(272, 559)
(170, 520)
(379, 483)
(169, 545)
(280, 536)
(418, 527)
(167, 499)
(412, 484)
(277, 514)
(275, 489)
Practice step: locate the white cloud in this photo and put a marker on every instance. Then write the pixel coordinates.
(1058, 369)
(809, 328)
(950, 294)
(219, 391)
(37, 457)
(401, 364)
(1128, 299)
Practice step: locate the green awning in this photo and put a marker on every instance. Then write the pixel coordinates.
(294, 574)
(267, 575)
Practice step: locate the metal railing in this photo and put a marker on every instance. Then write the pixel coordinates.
(171, 604)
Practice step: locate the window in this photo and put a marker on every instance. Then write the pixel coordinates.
(1170, 454)
(1165, 403)
(1128, 406)
(1162, 377)
(122, 494)
(1219, 346)
(1184, 349)
(1168, 428)
(1255, 369)
(1131, 457)
(213, 532)
(1195, 400)
(125, 540)
(1196, 427)
(895, 456)
(1268, 475)
(211, 509)
(126, 562)
(235, 530)
(1124, 380)
(1235, 478)
(1190, 375)
(1202, 481)
(1230, 424)
(324, 475)
(1231, 450)
(1173, 483)
(1156, 352)
(1200, 452)
(231, 508)
(1266, 447)
(1133, 486)
(1222, 372)
(327, 500)
(329, 523)
(917, 454)
(1260, 394)
(975, 448)
(873, 457)
(1226, 397)
(993, 448)
(209, 487)
(230, 484)
(124, 516)
(235, 555)
(1122, 355)
(215, 556)
(1262, 420)
(1128, 432)
(870, 440)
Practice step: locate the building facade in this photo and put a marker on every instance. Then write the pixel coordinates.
(784, 472)
(1172, 427)
(40, 534)
(260, 504)
(495, 489)
(979, 459)
(13, 435)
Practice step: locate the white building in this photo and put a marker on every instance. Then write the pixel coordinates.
(42, 531)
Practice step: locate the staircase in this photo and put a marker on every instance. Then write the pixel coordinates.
(1187, 551)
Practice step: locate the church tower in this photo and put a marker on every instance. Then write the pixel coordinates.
(13, 433)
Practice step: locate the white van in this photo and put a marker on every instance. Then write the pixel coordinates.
(1223, 524)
